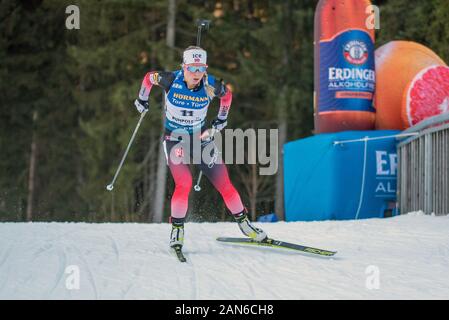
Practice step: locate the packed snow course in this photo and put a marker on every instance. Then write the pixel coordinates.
(405, 257)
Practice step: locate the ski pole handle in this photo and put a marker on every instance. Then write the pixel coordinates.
(110, 186)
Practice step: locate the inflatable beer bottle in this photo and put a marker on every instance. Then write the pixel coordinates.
(345, 74)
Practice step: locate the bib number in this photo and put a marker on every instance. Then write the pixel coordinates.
(187, 113)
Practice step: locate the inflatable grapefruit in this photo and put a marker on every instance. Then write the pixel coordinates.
(397, 63)
(426, 95)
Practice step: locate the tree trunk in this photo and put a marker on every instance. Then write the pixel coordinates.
(159, 199)
(253, 197)
(152, 162)
(283, 107)
(279, 203)
(158, 208)
(32, 171)
(113, 216)
(171, 24)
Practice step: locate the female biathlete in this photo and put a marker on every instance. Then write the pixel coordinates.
(189, 92)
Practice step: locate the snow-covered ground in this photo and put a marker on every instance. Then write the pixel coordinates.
(405, 257)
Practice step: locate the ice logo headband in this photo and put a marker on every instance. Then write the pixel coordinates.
(195, 56)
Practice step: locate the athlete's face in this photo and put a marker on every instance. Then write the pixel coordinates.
(193, 73)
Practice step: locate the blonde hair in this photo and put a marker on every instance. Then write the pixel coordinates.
(210, 90)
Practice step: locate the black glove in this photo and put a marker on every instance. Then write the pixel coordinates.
(219, 124)
(141, 105)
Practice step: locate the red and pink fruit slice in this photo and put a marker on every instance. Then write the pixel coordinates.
(397, 63)
(426, 95)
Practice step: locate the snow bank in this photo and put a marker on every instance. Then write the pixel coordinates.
(405, 257)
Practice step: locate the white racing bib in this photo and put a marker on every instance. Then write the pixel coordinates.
(185, 109)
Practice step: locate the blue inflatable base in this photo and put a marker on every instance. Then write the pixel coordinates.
(328, 180)
(268, 218)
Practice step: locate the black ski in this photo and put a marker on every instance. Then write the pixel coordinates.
(278, 244)
(179, 254)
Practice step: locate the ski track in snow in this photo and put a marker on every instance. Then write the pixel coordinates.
(133, 261)
(62, 258)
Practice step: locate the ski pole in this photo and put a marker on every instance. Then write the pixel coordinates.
(110, 186)
(197, 186)
(201, 23)
(208, 140)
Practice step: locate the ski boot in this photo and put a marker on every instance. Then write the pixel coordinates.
(177, 233)
(248, 229)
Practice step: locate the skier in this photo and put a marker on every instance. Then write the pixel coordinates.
(189, 92)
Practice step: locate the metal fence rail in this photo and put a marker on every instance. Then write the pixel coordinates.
(423, 168)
